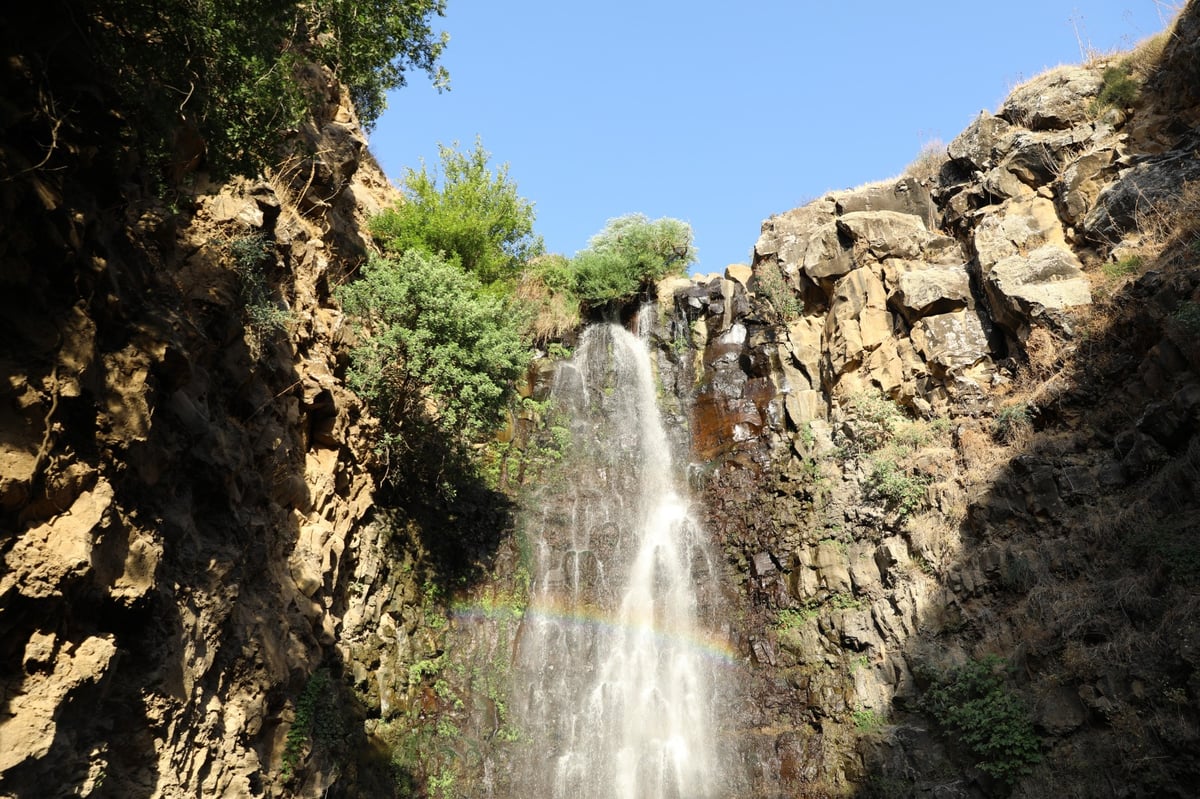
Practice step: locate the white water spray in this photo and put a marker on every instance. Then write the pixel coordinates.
(616, 673)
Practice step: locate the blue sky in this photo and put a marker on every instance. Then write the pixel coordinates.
(722, 117)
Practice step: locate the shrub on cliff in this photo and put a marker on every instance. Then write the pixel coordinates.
(429, 332)
(468, 214)
(229, 68)
(974, 705)
(631, 252)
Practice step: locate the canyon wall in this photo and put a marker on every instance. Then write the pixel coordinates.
(948, 423)
(943, 429)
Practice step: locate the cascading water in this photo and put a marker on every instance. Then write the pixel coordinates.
(616, 674)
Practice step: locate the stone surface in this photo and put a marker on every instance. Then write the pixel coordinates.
(1132, 198)
(984, 143)
(951, 341)
(1018, 227)
(923, 292)
(1056, 99)
(1023, 288)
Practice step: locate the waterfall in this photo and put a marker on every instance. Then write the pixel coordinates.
(617, 677)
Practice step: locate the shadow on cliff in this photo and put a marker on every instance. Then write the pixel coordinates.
(1080, 560)
(128, 368)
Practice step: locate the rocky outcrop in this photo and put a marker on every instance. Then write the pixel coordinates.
(958, 433)
(189, 532)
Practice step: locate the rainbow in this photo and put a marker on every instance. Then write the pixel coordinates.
(711, 646)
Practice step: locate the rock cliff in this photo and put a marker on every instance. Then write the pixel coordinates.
(944, 429)
(194, 571)
(949, 421)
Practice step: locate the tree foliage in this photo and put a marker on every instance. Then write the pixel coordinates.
(230, 68)
(629, 253)
(430, 332)
(465, 212)
(975, 705)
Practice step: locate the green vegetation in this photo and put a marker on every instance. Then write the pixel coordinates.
(317, 722)
(629, 253)
(469, 215)
(790, 620)
(770, 283)
(428, 329)
(1012, 423)
(1187, 317)
(879, 429)
(974, 705)
(1129, 265)
(251, 256)
(234, 72)
(1119, 90)
(867, 719)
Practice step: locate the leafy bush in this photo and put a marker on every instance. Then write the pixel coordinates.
(770, 282)
(631, 252)
(867, 719)
(1119, 89)
(902, 492)
(229, 68)
(974, 704)
(428, 330)
(251, 256)
(468, 214)
(546, 288)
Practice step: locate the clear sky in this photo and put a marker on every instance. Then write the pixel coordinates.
(723, 114)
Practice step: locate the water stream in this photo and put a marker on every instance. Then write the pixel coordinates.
(617, 674)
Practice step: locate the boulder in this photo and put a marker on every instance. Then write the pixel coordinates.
(1036, 157)
(1015, 228)
(983, 144)
(936, 290)
(783, 234)
(1022, 288)
(740, 273)
(1081, 182)
(825, 254)
(858, 320)
(951, 341)
(885, 234)
(904, 196)
(1135, 194)
(1054, 100)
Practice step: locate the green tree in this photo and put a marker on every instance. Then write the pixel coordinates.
(629, 253)
(231, 68)
(467, 213)
(428, 331)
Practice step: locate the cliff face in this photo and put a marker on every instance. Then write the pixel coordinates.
(950, 421)
(184, 481)
(941, 418)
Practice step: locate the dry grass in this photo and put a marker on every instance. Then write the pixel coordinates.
(554, 313)
(928, 163)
